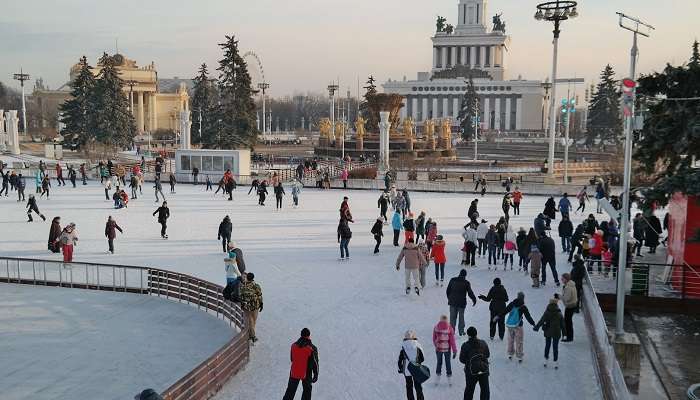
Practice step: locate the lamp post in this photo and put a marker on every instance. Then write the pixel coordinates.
(131, 83)
(475, 121)
(546, 85)
(331, 93)
(21, 77)
(637, 27)
(263, 86)
(554, 11)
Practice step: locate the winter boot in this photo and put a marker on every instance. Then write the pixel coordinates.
(42, 217)
(449, 380)
(408, 290)
(556, 365)
(29, 215)
(417, 291)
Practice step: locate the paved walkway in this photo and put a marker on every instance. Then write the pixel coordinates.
(72, 344)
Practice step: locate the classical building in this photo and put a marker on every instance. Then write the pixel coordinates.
(473, 49)
(155, 103)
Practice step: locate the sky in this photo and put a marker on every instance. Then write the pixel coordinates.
(305, 44)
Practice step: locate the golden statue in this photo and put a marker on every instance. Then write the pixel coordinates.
(429, 128)
(446, 129)
(360, 127)
(324, 126)
(339, 130)
(408, 127)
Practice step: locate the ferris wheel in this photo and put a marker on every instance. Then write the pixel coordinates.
(255, 69)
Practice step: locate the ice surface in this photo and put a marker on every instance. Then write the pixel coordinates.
(357, 310)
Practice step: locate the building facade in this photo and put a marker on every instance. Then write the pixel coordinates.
(155, 103)
(472, 49)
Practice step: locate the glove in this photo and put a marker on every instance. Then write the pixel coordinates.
(314, 379)
(397, 268)
(454, 355)
(218, 238)
(534, 328)
(474, 304)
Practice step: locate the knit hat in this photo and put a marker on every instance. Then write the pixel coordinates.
(463, 273)
(497, 281)
(305, 333)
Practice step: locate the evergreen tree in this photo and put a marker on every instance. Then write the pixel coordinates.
(204, 105)
(236, 123)
(670, 141)
(604, 120)
(76, 112)
(469, 109)
(111, 121)
(371, 116)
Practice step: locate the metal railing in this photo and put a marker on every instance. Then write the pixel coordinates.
(204, 380)
(606, 365)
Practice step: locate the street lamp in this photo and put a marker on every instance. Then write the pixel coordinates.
(637, 27)
(332, 88)
(131, 83)
(554, 11)
(546, 85)
(21, 77)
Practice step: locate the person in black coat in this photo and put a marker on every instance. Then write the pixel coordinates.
(550, 209)
(497, 297)
(457, 291)
(473, 213)
(576, 241)
(262, 193)
(578, 274)
(163, 214)
(547, 248)
(566, 230)
(32, 206)
(225, 228)
(279, 192)
(383, 205)
(377, 233)
(652, 232)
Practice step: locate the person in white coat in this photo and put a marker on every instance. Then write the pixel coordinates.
(481, 232)
(411, 352)
(470, 244)
(509, 247)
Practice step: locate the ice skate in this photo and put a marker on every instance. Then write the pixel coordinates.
(510, 358)
(442, 282)
(545, 363)
(417, 291)
(408, 290)
(437, 379)
(556, 365)
(520, 360)
(449, 380)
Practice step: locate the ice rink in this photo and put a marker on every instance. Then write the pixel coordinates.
(357, 310)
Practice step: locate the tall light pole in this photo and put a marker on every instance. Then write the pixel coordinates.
(476, 120)
(637, 27)
(263, 86)
(331, 93)
(554, 11)
(546, 85)
(21, 77)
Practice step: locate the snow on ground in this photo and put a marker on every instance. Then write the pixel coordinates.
(357, 311)
(60, 343)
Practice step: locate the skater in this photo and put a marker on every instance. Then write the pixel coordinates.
(236, 254)
(491, 240)
(651, 233)
(68, 239)
(475, 354)
(469, 246)
(231, 186)
(552, 323)
(42, 168)
(377, 234)
(344, 236)
(209, 187)
(32, 206)
(279, 193)
(344, 177)
(413, 259)
(484, 187)
(569, 297)
(397, 226)
(566, 231)
(173, 181)
(300, 172)
(163, 214)
(83, 174)
(410, 357)
(158, 188)
(45, 187)
(481, 231)
(420, 226)
(233, 280)
(517, 198)
(20, 185)
(582, 197)
(500, 237)
(638, 229)
(72, 175)
(253, 186)
(59, 175)
(437, 254)
(262, 193)
(535, 258)
(251, 303)
(304, 367)
(400, 204)
(578, 274)
(430, 232)
(564, 205)
(509, 247)
(5, 183)
(550, 210)
(523, 249)
(513, 316)
(224, 234)
(445, 348)
(497, 299)
(108, 186)
(195, 175)
(409, 226)
(296, 190)
(406, 200)
(505, 206)
(473, 212)
(383, 205)
(54, 234)
(457, 291)
(547, 248)
(134, 185)
(576, 241)
(111, 229)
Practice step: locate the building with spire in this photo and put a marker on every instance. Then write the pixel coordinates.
(477, 47)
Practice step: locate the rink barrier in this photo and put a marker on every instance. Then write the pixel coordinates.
(605, 363)
(207, 378)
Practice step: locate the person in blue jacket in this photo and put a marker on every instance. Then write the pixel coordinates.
(397, 224)
(565, 205)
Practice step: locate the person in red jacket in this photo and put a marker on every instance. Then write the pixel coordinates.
(437, 254)
(304, 367)
(596, 250)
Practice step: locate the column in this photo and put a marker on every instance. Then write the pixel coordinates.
(472, 56)
(403, 109)
(185, 130)
(508, 99)
(518, 113)
(444, 56)
(139, 116)
(487, 113)
(424, 110)
(455, 106)
(482, 57)
(3, 136)
(154, 114)
(454, 56)
(436, 56)
(492, 57)
(414, 108)
(435, 107)
(445, 107)
(131, 103)
(12, 121)
(384, 126)
(497, 111)
(463, 51)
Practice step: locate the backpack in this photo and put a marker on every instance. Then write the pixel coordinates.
(477, 364)
(513, 319)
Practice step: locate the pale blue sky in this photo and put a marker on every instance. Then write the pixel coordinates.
(304, 44)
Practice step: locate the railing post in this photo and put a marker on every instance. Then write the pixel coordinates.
(60, 274)
(114, 278)
(71, 278)
(683, 280)
(98, 277)
(19, 277)
(7, 266)
(124, 279)
(34, 272)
